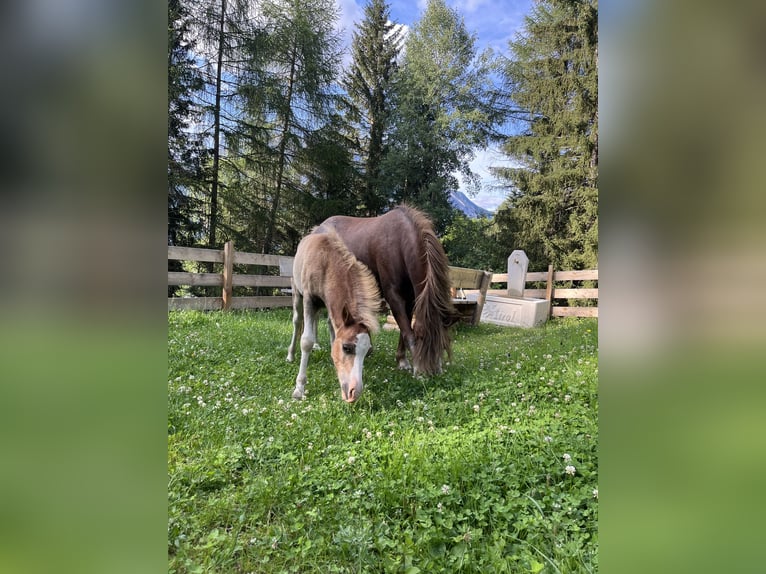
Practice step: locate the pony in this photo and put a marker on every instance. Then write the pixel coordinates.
(326, 274)
(403, 253)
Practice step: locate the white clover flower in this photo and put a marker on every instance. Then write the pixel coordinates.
(567, 457)
(351, 459)
(567, 398)
(595, 493)
(294, 416)
(439, 507)
(548, 439)
(445, 489)
(476, 408)
(569, 469)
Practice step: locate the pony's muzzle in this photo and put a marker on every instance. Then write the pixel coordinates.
(351, 391)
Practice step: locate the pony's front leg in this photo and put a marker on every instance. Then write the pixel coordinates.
(405, 343)
(307, 345)
(297, 323)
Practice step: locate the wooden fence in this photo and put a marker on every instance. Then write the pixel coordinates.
(551, 292)
(468, 279)
(228, 279)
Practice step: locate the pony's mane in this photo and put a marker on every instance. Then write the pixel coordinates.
(365, 304)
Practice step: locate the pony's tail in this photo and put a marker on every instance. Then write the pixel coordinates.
(434, 312)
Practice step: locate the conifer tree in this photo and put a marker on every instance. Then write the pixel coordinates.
(375, 48)
(553, 211)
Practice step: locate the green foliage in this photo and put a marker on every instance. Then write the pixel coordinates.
(445, 107)
(471, 243)
(553, 212)
(463, 472)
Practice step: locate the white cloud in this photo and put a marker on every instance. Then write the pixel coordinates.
(350, 14)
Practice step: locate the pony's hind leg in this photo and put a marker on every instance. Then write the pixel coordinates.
(401, 355)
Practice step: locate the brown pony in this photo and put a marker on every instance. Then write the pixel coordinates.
(403, 252)
(326, 274)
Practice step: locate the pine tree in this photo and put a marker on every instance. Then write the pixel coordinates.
(375, 48)
(553, 211)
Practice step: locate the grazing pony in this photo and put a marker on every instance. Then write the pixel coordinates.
(326, 274)
(403, 252)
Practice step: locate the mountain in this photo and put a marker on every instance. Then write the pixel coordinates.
(460, 202)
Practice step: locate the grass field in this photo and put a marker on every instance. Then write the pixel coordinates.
(489, 467)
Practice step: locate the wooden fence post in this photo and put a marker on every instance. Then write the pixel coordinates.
(228, 272)
(549, 290)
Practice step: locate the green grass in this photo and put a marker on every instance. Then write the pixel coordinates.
(462, 472)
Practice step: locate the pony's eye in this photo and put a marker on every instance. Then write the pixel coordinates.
(349, 348)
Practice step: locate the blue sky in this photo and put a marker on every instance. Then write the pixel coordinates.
(494, 22)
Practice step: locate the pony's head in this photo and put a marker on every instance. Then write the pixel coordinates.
(349, 349)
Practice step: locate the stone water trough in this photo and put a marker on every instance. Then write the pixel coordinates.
(515, 310)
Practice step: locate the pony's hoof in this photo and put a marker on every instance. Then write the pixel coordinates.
(298, 395)
(404, 365)
(289, 358)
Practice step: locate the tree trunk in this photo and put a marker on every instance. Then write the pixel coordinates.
(272, 225)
